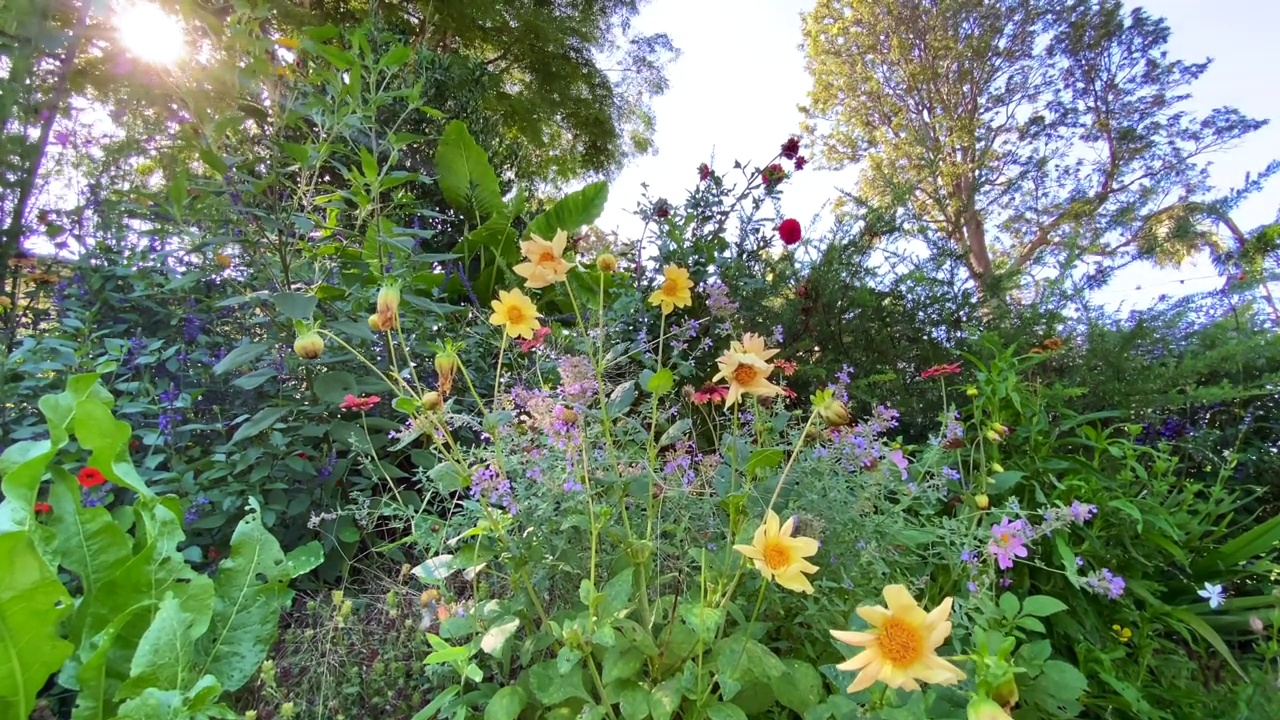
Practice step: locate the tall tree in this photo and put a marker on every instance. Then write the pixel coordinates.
(1021, 130)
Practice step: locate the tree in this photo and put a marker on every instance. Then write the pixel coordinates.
(1021, 130)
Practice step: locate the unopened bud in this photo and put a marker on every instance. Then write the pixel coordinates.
(994, 436)
(309, 345)
(1006, 693)
(831, 410)
(250, 715)
(982, 501)
(432, 401)
(389, 305)
(984, 708)
(378, 323)
(607, 263)
(1000, 428)
(1256, 624)
(447, 365)
(971, 391)
(997, 467)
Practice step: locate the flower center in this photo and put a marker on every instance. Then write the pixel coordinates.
(901, 643)
(515, 314)
(745, 374)
(670, 288)
(776, 556)
(547, 257)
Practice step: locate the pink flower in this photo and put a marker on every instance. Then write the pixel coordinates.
(360, 404)
(714, 394)
(897, 458)
(704, 172)
(941, 370)
(1008, 542)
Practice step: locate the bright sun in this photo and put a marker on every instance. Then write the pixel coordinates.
(150, 34)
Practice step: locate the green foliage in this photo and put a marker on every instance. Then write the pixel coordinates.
(148, 635)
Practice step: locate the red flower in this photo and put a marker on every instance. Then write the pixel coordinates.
(788, 367)
(939, 370)
(91, 477)
(789, 231)
(539, 336)
(800, 162)
(360, 404)
(773, 175)
(704, 172)
(302, 455)
(714, 394)
(43, 508)
(791, 148)
(789, 393)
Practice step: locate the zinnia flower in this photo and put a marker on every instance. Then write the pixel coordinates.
(675, 290)
(789, 231)
(710, 394)
(901, 646)
(788, 367)
(938, 370)
(91, 477)
(360, 404)
(515, 312)
(779, 556)
(546, 264)
(746, 373)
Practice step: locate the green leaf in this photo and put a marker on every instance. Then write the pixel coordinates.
(506, 704)
(665, 699)
(1210, 635)
(706, 621)
(340, 58)
(32, 605)
(725, 711)
(744, 660)
(304, 559)
(438, 702)
(622, 662)
(166, 652)
(617, 594)
(1057, 688)
(574, 210)
(466, 179)
(395, 57)
(251, 588)
(551, 688)
(90, 543)
(333, 387)
(262, 420)
(635, 702)
(1009, 605)
(765, 459)
(295, 306)
(661, 382)
(1004, 481)
(800, 687)
(1259, 540)
(1042, 606)
(675, 432)
(241, 356)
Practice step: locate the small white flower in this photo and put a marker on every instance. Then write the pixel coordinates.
(1214, 594)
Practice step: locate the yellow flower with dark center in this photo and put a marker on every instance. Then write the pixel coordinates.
(546, 264)
(516, 313)
(779, 556)
(746, 373)
(675, 291)
(901, 646)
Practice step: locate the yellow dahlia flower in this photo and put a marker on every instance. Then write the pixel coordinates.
(546, 264)
(779, 556)
(901, 646)
(753, 344)
(746, 373)
(515, 312)
(675, 290)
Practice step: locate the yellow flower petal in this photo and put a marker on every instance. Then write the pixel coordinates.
(853, 637)
(874, 614)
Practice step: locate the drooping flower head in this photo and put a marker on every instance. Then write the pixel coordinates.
(675, 291)
(545, 261)
(388, 312)
(309, 345)
(790, 232)
(446, 364)
(901, 646)
(746, 366)
(515, 313)
(779, 556)
(710, 393)
(1008, 540)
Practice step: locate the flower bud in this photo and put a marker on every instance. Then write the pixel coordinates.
(971, 391)
(1006, 693)
(389, 305)
(607, 263)
(831, 409)
(309, 345)
(994, 436)
(447, 364)
(982, 501)
(287, 709)
(432, 401)
(984, 708)
(377, 323)
(997, 467)
(1000, 428)
(1256, 625)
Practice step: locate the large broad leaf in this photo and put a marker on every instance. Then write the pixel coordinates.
(261, 420)
(466, 179)
(32, 604)
(574, 210)
(251, 589)
(98, 431)
(156, 704)
(166, 653)
(90, 544)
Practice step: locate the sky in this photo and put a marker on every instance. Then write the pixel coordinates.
(735, 90)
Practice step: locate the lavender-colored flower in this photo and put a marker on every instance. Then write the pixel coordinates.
(96, 496)
(170, 396)
(1105, 582)
(1008, 540)
(194, 510)
(573, 485)
(488, 485)
(1214, 594)
(718, 300)
(951, 475)
(1081, 512)
(325, 471)
(973, 586)
(845, 375)
(192, 325)
(779, 335)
